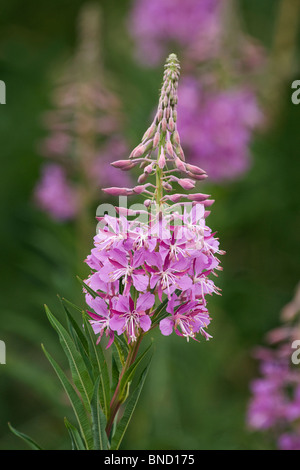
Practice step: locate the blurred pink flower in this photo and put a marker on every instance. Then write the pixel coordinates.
(156, 24)
(216, 128)
(55, 195)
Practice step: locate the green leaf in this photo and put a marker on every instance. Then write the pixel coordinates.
(160, 312)
(78, 368)
(114, 373)
(128, 376)
(32, 444)
(87, 288)
(76, 439)
(76, 403)
(99, 421)
(70, 304)
(76, 327)
(129, 410)
(122, 348)
(99, 365)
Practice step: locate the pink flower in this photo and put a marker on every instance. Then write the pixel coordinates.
(130, 318)
(187, 320)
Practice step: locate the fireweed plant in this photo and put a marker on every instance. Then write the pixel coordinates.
(150, 268)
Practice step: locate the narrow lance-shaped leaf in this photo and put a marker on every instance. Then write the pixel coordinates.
(87, 288)
(76, 403)
(78, 368)
(99, 366)
(76, 327)
(98, 421)
(32, 444)
(76, 440)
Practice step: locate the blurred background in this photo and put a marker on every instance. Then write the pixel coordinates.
(82, 82)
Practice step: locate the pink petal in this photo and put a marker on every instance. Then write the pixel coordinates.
(145, 301)
(166, 326)
(117, 324)
(145, 322)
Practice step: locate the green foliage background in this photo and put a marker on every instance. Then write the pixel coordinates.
(195, 396)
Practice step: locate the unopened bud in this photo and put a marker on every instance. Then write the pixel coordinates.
(171, 124)
(186, 183)
(149, 168)
(179, 164)
(169, 148)
(124, 164)
(156, 139)
(115, 191)
(175, 138)
(150, 132)
(164, 125)
(167, 186)
(196, 177)
(138, 151)
(200, 197)
(140, 189)
(195, 169)
(142, 178)
(208, 203)
(162, 159)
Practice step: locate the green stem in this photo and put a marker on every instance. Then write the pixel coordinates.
(115, 401)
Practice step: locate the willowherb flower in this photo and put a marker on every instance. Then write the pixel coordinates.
(54, 193)
(151, 264)
(85, 125)
(194, 24)
(217, 126)
(275, 396)
(219, 109)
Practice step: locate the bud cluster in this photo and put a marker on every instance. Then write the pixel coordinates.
(155, 270)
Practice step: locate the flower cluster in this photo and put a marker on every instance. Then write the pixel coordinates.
(275, 400)
(83, 128)
(217, 126)
(54, 194)
(154, 25)
(219, 110)
(152, 264)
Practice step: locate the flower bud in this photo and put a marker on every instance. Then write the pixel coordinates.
(164, 124)
(162, 160)
(196, 177)
(124, 164)
(156, 139)
(186, 183)
(167, 186)
(150, 132)
(115, 191)
(169, 148)
(171, 124)
(198, 197)
(179, 164)
(142, 178)
(195, 169)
